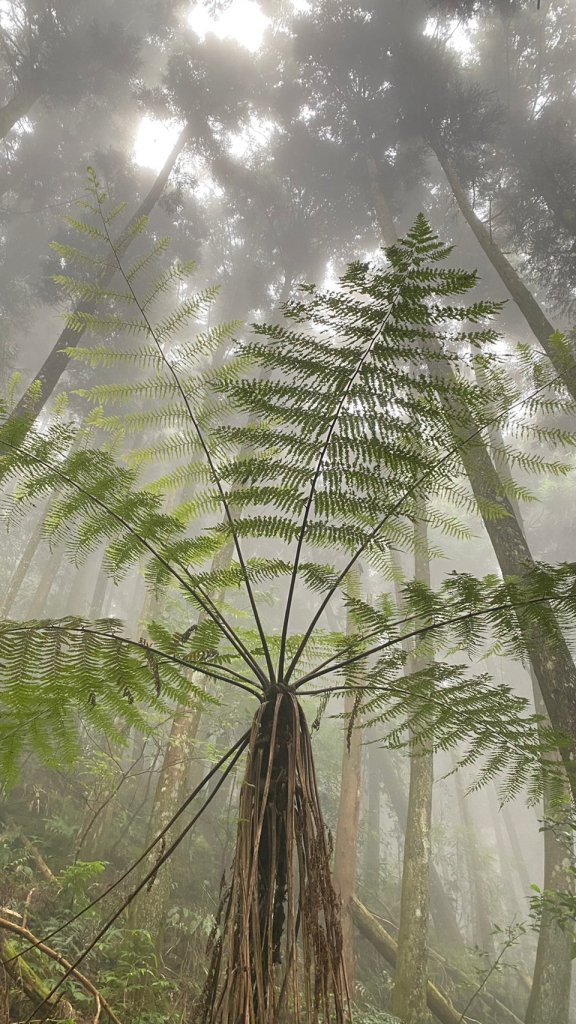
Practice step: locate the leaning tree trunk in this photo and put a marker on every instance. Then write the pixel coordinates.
(22, 568)
(45, 381)
(549, 653)
(550, 993)
(20, 104)
(409, 998)
(386, 945)
(276, 952)
(563, 361)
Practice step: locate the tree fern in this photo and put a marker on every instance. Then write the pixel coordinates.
(302, 448)
(303, 435)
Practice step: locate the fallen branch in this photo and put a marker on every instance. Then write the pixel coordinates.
(37, 857)
(367, 925)
(503, 1013)
(25, 977)
(24, 933)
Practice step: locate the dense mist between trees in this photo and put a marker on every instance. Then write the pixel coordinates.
(288, 551)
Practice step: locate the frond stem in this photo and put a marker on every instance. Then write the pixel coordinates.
(308, 507)
(202, 598)
(203, 668)
(422, 631)
(203, 443)
(397, 509)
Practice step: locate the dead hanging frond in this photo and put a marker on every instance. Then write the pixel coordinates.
(277, 955)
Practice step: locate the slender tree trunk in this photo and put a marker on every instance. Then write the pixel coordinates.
(549, 1001)
(45, 584)
(22, 569)
(549, 653)
(517, 851)
(443, 912)
(99, 595)
(151, 909)
(38, 393)
(512, 895)
(481, 923)
(563, 362)
(373, 769)
(346, 843)
(387, 946)
(20, 105)
(411, 978)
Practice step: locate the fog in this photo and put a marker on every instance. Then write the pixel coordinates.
(260, 456)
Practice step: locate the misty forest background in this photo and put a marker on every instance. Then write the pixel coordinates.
(171, 175)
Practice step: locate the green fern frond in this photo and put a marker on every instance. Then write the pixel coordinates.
(315, 435)
(53, 671)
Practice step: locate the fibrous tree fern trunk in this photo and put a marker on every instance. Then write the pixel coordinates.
(277, 955)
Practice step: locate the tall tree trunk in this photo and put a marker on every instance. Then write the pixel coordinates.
(481, 923)
(550, 993)
(46, 582)
(151, 909)
(99, 593)
(549, 652)
(549, 1001)
(411, 978)
(346, 843)
(45, 381)
(517, 851)
(438, 1003)
(373, 770)
(22, 568)
(20, 105)
(563, 362)
(511, 893)
(443, 912)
